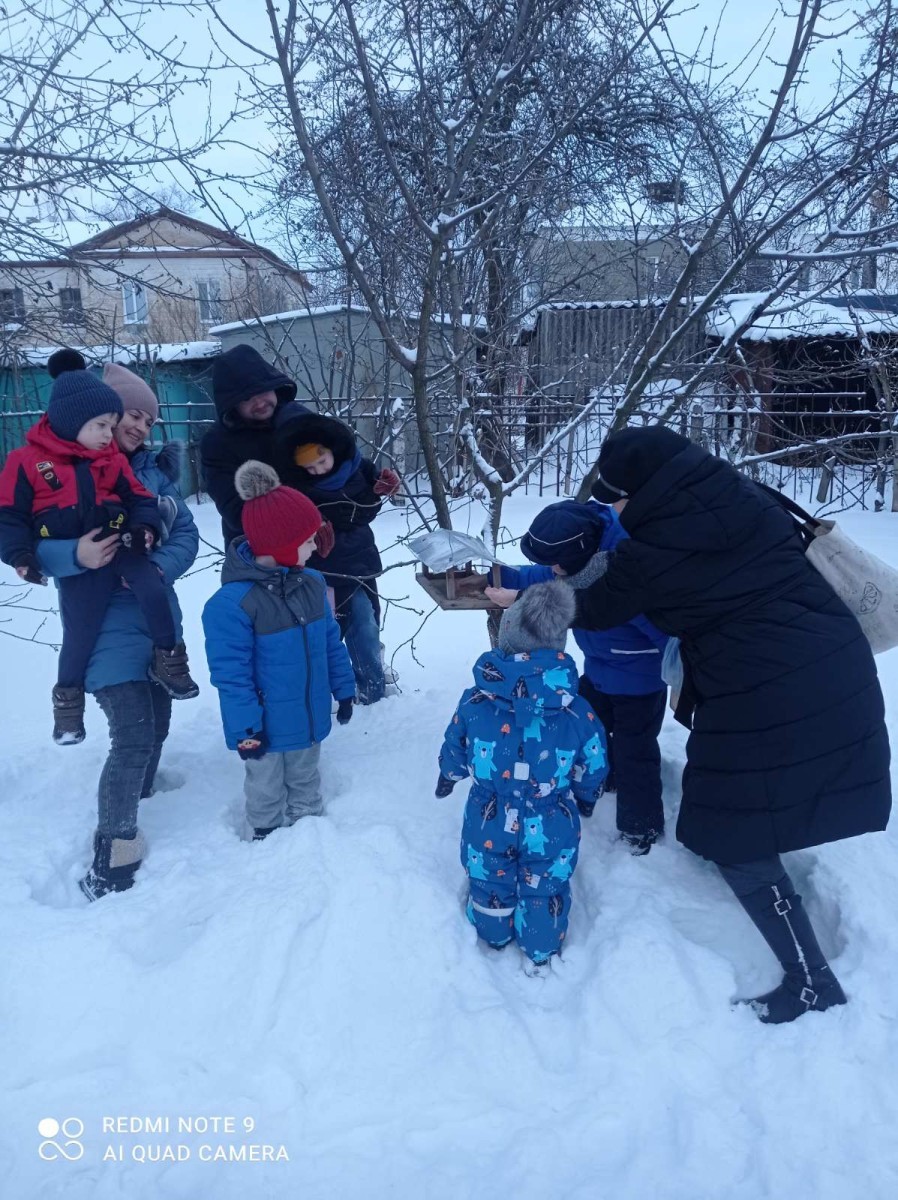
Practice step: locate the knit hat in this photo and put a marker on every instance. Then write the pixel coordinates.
(276, 519)
(566, 533)
(77, 397)
(539, 619)
(132, 389)
(630, 458)
(307, 453)
(65, 359)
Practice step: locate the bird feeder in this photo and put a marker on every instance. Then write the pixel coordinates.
(447, 560)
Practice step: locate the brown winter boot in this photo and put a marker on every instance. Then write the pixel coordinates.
(171, 672)
(68, 715)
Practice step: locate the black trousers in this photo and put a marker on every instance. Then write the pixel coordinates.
(632, 724)
(84, 598)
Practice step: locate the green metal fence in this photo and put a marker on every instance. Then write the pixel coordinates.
(185, 402)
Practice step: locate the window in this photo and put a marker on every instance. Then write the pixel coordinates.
(71, 310)
(211, 304)
(134, 303)
(12, 305)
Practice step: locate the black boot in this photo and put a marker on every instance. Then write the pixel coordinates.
(170, 670)
(68, 715)
(808, 982)
(115, 864)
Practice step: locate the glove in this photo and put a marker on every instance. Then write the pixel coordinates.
(387, 483)
(324, 539)
(586, 810)
(253, 746)
(444, 786)
(344, 712)
(142, 538)
(27, 568)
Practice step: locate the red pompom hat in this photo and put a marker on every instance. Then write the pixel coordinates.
(276, 519)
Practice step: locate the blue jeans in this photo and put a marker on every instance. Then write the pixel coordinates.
(139, 714)
(361, 633)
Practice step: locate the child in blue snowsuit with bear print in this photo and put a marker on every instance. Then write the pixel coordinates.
(532, 748)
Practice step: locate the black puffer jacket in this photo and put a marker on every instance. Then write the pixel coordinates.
(788, 746)
(240, 373)
(350, 508)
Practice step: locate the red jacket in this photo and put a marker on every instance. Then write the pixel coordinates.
(56, 489)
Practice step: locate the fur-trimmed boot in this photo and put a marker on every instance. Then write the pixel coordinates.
(68, 715)
(808, 982)
(115, 863)
(170, 670)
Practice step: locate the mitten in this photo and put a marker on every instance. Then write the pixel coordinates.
(324, 539)
(253, 746)
(140, 542)
(27, 568)
(444, 786)
(344, 712)
(586, 809)
(387, 483)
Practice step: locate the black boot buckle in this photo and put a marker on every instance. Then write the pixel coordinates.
(782, 907)
(808, 996)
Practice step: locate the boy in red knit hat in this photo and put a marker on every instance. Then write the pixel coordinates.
(275, 653)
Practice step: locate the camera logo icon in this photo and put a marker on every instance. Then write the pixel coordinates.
(61, 1139)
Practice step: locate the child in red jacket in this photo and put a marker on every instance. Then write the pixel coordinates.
(68, 480)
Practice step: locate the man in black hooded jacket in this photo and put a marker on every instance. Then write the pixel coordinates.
(788, 747)
(251, 398)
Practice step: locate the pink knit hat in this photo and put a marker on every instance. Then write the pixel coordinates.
(132, 389)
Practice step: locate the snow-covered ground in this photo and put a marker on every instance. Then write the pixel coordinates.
(324, 990)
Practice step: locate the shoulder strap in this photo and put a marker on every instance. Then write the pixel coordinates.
(806, 526)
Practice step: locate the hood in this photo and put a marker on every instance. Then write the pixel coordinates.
(43, 439)
(528, 684)
(242, 372)
(322, 431)
(241, 567)
(696, 503)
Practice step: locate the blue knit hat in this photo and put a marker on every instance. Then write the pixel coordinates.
(78, 397)
(567, 534)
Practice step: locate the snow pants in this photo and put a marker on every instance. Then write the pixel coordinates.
(282, 787)
(632, 724)
(519, 857)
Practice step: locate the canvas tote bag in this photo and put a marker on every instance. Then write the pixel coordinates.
(866, 584)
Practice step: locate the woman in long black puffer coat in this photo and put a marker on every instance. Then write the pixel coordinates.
(319, 457)
(788, 747)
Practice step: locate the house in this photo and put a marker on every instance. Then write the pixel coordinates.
(164, 277)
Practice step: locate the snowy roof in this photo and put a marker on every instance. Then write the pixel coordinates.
(805, 316)
(160, 352)
(333, 310)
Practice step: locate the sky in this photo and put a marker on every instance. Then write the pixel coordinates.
(747, 39)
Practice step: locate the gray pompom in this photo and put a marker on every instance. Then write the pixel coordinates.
(255, 479)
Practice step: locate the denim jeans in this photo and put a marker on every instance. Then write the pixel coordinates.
(139, 714)
(361, 633)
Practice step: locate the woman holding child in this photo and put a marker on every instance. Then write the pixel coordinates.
(137, 709)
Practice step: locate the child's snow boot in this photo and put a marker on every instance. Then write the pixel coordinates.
(170, 671)
(68, 715)
(260, 833)
(537, 968)
(115, 863)
(808, 982)
(639, 843)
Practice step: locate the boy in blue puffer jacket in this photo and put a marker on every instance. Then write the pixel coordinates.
(532, 747)
(275, 653)
(622, 677)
